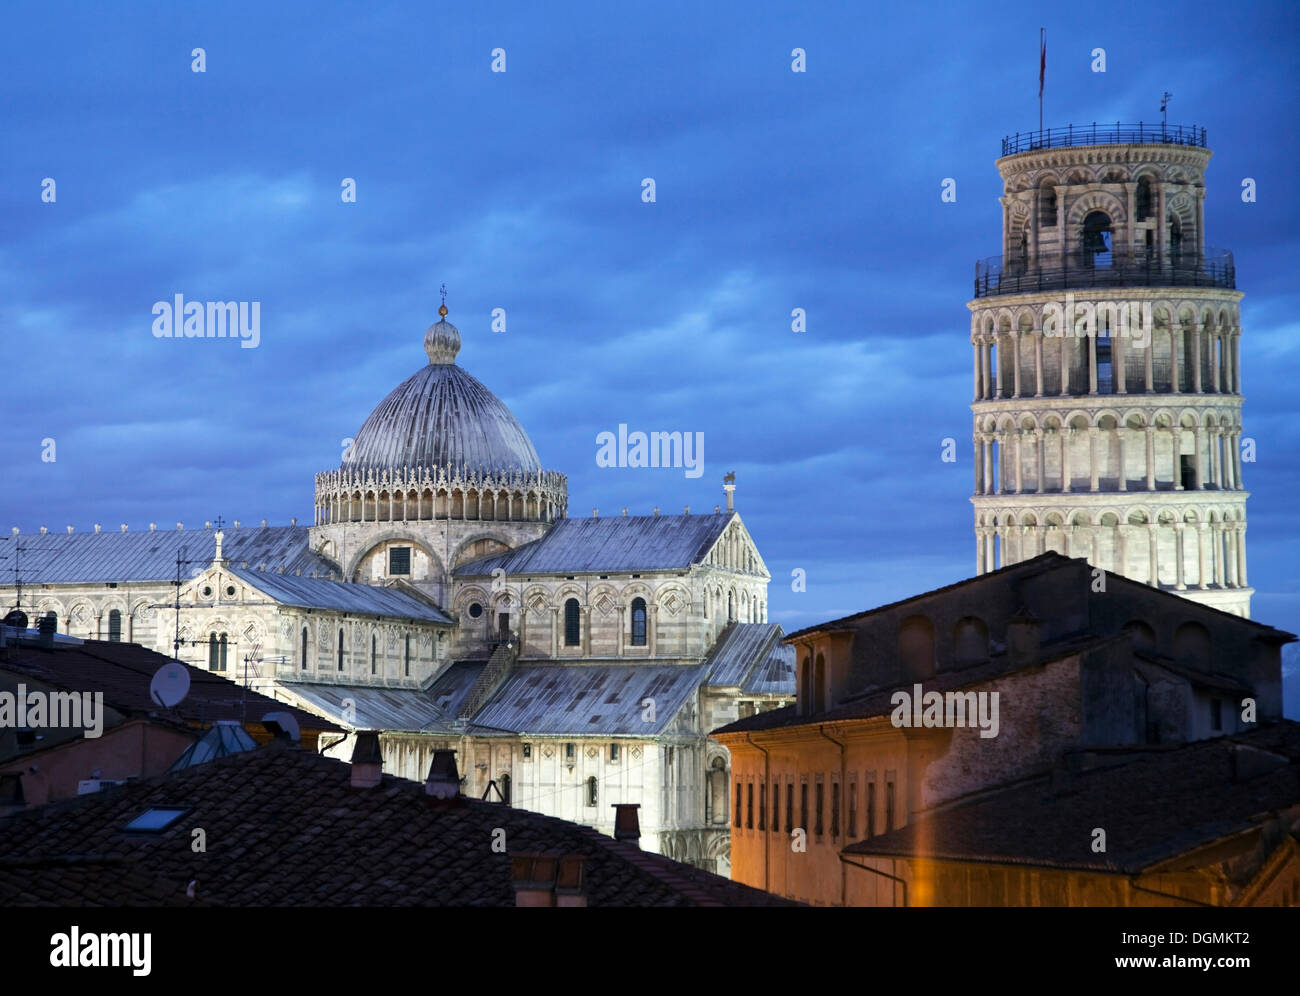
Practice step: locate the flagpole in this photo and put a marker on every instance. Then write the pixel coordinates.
(1042, 75)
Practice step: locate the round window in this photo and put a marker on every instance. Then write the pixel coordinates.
(207, 592)
(230, 591)
(475, 609)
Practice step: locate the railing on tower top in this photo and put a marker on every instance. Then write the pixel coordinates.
(1104, 134)
(1027, 274)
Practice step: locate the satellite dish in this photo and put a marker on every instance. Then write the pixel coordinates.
(282, 721)
(170, 684)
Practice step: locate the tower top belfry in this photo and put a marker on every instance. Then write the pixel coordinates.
(1107, 403)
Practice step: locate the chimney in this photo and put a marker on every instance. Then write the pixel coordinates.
(45, 626)
(69, 530)
(627, 825)
(595, 513)
(656, 511)
(236, 523)
(1024, 637)
(625, 513)
(153, 526)
(443, 782)
(569, 881)
(179, 526)
(293, 521)
(367, 760)
(263, 523)
(729, 486)
(534, 879)
(688, 510)
(44, 530)
(123, 527)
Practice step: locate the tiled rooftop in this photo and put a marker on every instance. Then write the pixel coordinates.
(1153, 804)
(613, 543)
(284, 827)
(123, 671)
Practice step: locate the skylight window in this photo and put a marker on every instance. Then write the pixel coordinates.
(156, 819)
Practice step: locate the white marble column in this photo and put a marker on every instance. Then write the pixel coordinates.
(1151, 457)
(1038, 363)
(1201, 542)
(1093, 483)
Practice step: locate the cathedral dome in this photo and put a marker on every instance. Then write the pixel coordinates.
(442, 417)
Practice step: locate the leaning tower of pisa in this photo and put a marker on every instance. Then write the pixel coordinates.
(1107, 411)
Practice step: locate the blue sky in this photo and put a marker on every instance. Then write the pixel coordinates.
(522, 190)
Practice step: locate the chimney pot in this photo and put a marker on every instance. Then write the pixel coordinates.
(179, 526)
(367, 760)
(123, 527)
(43, 530)
(69, 530)
(625, 513)
(595, 513)
(444, 780)
(688, 510)
(656, 511)
(236, 523)
(207, 524)
(570, 880)
(45, 626)
(627, 824)
(534, 879)
(153, 526)
(263, 523)
(293, 521)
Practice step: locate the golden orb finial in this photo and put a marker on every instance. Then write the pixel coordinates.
(442, 308)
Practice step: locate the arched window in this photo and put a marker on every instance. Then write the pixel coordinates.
(638, 622)
(1192, 646)
(805, 686)
(505, 789)
(374, 654)
(222, 645)
(304, 649)
(731, 606)
(338, 659)
(406, 656)
(572, 623)
(1142, 201)
(592, 791)
(115, 626)
(1047, 206)
(970, 640)
(1096, 238)
(212, 652)
(1141, 634)
(916, 648)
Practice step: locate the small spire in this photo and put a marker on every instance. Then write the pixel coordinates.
(442, 308)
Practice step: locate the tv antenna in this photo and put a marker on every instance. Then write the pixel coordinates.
(18, 549)
(1164, 107)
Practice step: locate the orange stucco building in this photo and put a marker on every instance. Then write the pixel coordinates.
(1026, 737)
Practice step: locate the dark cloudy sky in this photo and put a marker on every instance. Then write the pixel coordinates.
(522, 190)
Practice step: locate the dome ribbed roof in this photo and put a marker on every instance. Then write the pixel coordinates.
(442, 416)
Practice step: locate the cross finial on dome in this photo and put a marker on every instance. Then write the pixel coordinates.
(442, 308)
